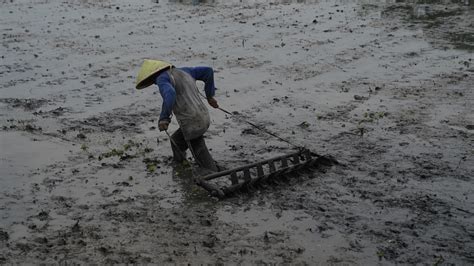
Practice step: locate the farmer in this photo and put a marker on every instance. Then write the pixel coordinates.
(181, 96)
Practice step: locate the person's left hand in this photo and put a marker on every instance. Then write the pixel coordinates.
(163, 125)
(212, 102)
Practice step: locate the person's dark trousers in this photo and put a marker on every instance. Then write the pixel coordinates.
(201, 153)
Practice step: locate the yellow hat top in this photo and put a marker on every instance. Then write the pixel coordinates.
(148, 72)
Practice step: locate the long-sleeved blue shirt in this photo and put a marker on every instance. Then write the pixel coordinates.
(167, 91)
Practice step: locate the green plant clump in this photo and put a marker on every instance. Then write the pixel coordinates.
(112, 153)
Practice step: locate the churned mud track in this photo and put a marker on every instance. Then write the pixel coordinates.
(386, 89)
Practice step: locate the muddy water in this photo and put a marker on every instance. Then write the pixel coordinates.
(384, 86)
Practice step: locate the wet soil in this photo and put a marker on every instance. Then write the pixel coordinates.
(384, 87)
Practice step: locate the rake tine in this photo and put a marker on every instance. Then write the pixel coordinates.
(272, 167)
(260, 172)
(298, 172)
(281, 181)
(292, 175)
(247, 175)
(276, 181)
(256, 181)
(272, 176)
(315, 167)
(304, 171)
(296, 159)
(260, 185)
(233, 178)
(250, 187)
(268, 180)
(264, 182)
(284, 178)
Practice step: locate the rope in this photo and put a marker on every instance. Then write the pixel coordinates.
(261, 128)
(255, 126)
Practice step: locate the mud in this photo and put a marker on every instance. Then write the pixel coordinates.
(384, 87)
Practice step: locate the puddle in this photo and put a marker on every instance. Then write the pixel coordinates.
(21, 154)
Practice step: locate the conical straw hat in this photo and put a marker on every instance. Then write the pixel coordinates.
(148, 72)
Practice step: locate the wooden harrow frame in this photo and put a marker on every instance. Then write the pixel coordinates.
(226, 183)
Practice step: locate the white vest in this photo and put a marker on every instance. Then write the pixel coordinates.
(191, 113)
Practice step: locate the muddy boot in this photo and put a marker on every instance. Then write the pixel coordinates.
(220, 167)
(179, 152)
(202, 155)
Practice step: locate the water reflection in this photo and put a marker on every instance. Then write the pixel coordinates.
(198, 2)
(423, 3)
(434, 17)
(193, 2)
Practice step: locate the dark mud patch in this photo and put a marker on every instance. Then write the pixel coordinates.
(4, 236)
(59, 111)
(462, 40)
(22, 125)
(43, 216)
(116, 120)
(25, 104)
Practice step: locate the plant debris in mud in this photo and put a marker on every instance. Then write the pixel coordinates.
(129, 150)
(111, 153)
(152, 164)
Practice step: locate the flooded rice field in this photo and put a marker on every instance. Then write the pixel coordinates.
(385, 87)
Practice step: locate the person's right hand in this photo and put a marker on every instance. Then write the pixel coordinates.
(163, 125)
(212, 102)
